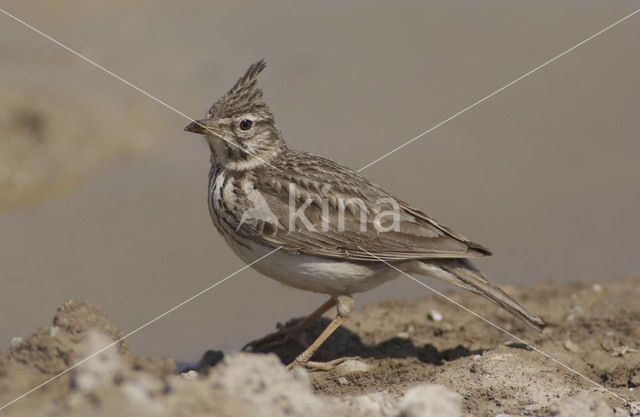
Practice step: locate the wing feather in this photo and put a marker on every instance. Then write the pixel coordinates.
(319, 188)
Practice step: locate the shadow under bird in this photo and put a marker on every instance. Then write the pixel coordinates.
(337, 232)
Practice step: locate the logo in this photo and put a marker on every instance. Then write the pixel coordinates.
(324, 212)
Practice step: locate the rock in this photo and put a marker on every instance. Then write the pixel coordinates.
(571, 346)
(263, 384)
(189, 375)
(15, 341)
(351, 366)
(435, 315)
(431, 401)
(210, 359)
(583, 404)
(101, 368)
(377, 404)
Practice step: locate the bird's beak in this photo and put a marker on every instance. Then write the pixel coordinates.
(198, 126)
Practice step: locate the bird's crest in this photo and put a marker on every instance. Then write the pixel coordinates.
(243, 97)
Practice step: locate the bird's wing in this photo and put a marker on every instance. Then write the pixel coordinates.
(343, 215)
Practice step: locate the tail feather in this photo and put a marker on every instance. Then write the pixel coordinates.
(462, 273)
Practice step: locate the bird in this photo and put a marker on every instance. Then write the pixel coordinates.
(316, 225)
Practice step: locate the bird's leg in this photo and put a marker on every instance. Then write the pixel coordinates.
(344, 305)
(282, 336)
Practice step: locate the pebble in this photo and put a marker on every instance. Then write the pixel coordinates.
(435, 315)
(571, 346)
(342, 380)
(597, 287)
(189, 375)
(351, 366)
(517, 345)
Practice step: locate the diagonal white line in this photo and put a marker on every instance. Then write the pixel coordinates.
(523, 76)
(137, 330)
(520, 340)
(135, 87)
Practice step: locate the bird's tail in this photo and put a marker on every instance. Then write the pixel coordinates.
(462, 273)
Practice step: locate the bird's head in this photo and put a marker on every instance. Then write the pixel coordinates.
(239, 127)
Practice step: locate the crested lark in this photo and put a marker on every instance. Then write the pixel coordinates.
(332, 225)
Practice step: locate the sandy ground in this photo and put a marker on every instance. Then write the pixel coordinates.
(415, 358)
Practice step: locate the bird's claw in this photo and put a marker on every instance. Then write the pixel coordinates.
(319, 366)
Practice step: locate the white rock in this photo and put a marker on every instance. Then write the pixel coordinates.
(376, 404)
(264, 385)
(138, 393)
(342, 380)
(584, 404)
(431, 401)
(571, 346)
(189, 375)
(351, 366)
(97, 371)
(435, 315)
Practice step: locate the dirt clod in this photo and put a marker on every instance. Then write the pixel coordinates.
(453, 367)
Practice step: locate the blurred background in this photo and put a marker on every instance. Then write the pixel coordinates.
(103, 196)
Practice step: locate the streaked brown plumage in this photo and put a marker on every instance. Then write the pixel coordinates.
(337, 245)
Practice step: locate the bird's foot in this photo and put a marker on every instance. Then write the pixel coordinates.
(320, 366)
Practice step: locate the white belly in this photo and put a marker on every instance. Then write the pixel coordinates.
(317, 274)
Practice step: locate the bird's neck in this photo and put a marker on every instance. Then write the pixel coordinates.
(234, 159)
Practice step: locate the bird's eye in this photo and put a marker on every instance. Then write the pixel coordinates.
(246, 124)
